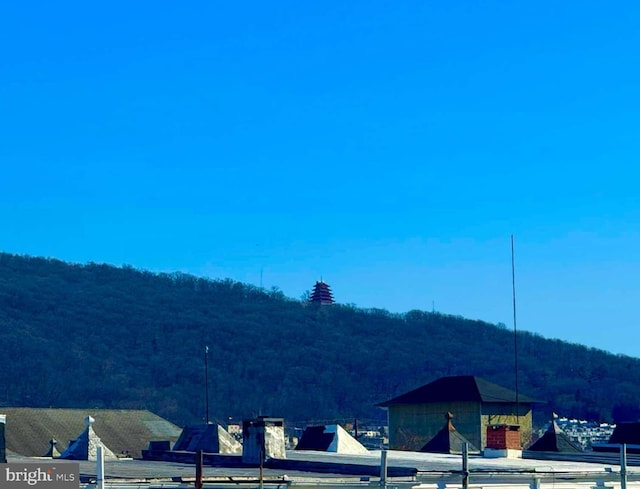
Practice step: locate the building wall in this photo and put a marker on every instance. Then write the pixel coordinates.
(505, 414)
(411, 426)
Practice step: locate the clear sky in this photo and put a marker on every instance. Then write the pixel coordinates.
(389, 147)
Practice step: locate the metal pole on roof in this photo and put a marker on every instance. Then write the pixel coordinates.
(383, 469)
(465, 465)
(262, 457)
(99, 467)
(623, 466)
(3, 441)
(199, 460)
(515, 329)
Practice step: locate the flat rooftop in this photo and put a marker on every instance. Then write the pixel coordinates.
(429, 466)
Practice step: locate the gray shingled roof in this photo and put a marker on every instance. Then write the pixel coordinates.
(464, 388)
(29, 430)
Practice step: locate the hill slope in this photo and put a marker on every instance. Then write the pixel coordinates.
(101, 336)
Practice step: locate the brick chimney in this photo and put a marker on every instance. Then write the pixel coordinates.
(503, 441)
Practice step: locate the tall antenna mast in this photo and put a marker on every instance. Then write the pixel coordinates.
(515, 329)
(206, 381)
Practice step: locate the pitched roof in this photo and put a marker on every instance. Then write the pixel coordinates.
(448, 440)
(85, 446)
(322, 293)
(555, 440)
(29, 430)
(208, 437)
(330, 438)
(315, 438)
(463, 388)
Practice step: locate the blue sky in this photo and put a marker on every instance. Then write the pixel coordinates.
(390, 148)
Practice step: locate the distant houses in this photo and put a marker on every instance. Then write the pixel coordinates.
(586, 433)
(415, 417)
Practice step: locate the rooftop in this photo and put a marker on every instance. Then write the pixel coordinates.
(463, 388)
(29, 430)
(432, 468)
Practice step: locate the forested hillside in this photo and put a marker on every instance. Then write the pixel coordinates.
(101, 336)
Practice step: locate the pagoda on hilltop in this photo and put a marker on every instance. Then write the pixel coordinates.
(321, 293)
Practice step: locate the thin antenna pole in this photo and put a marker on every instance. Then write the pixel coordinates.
(515, 329)
(206, 380)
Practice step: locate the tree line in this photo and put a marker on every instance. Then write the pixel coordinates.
(100, 336)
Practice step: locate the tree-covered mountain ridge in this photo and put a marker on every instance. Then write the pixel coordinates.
(100, 336)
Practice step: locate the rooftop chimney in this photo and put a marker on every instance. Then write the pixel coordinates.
(503, 441)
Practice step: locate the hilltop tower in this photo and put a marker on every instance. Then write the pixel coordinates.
(321, 293)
